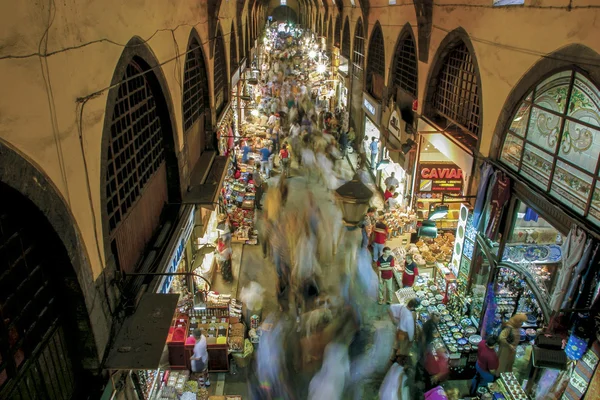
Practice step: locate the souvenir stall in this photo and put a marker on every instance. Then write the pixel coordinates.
(238, 194)
(225, 132)
(221, 318)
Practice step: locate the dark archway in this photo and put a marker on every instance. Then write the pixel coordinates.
(330, 33)
(44, 268)
(346, 40)
(139, 170)
(197, 122)
(453, 96)
(220, 79)
(233, 51)
(337, 36)
(376, 63)
(284, 14)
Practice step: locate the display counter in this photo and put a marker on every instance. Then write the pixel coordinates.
(455, 330)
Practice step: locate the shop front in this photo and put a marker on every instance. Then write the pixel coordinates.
(371, 109)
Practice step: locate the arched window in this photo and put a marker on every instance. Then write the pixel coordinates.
(358, 57)
(376, 63)
(337, 37)
(135, 148)
(553, 141)
(233, 59)
(330, 32)
(404, 70)
(195, 85)
(248, 47)
(456, 97)
(220, 74)
(346, 40)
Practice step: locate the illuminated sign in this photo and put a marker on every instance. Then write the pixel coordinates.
(434, 179)
(370, 107)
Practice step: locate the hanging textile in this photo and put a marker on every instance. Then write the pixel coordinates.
(498, 199)
(580, 269)
(572, 250)
(582, 374)
(486, 172)
(530, 215)
(593, 391)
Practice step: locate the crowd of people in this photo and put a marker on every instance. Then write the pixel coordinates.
(327, 276)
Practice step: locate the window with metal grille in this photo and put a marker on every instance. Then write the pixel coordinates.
(358, 57)
(405, 67)
(135, 148)
(376, 63)
(220, 74)
(553, 141)
(346, 40)
(338, 31)
(195, 86)
(34, 355)
(457, 93)
(233, 59)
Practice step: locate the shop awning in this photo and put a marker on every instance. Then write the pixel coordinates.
(141, 340)
(205, 193)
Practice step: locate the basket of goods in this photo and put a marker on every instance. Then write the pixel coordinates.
(430, 260)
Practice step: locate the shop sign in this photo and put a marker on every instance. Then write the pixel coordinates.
(177, 254)
(394, 124)
(372, 108)
(434, 179)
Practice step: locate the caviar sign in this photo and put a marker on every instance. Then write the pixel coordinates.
(437, 178)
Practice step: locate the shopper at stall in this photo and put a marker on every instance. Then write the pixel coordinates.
(344, 143)
(224, 253)
(391, 180)
(403, 318)
(258, 186)
(389, 193)
(284, 156)
(392, 202)
(436, 365)
(395, 384)
(411, 271)
(509, 339)
(199, 359)
(380, 238)
(385, 267)
(265, 153)
(245, 152)
(487, 363)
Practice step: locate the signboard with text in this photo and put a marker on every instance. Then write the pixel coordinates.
(435, 179)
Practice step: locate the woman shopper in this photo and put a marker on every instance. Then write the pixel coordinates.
(486, 365)
(224, 260)
(509, 339)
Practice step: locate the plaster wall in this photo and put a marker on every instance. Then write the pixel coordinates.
(507, 41)
(39, 112)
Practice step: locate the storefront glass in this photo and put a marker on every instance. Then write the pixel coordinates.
(371, 131)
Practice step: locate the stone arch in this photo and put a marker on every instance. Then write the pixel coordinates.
(455, 38)
(233, 50)
(192, 40)
(220, 76)
(424, 12)
(22, 178)
(137, 51)
(573, 55)
(347, 41)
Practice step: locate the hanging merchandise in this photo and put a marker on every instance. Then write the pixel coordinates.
(498, 197)
(572, 250)
(582, 374)
(486, 173)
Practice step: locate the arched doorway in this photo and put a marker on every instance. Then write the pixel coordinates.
(40, 305)
(376, 64)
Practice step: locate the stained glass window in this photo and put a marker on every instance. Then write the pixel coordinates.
(404, 73)
(554, 141)
(358, 58)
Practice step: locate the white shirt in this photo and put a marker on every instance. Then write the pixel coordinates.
(392, 202)
(391, 181)
(404, 319)
(391, 383)
(272, 120)
(200, 350)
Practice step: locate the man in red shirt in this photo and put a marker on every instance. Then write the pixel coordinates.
(381, 235)
(487, 363)
(385, 265)
(284, 156)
